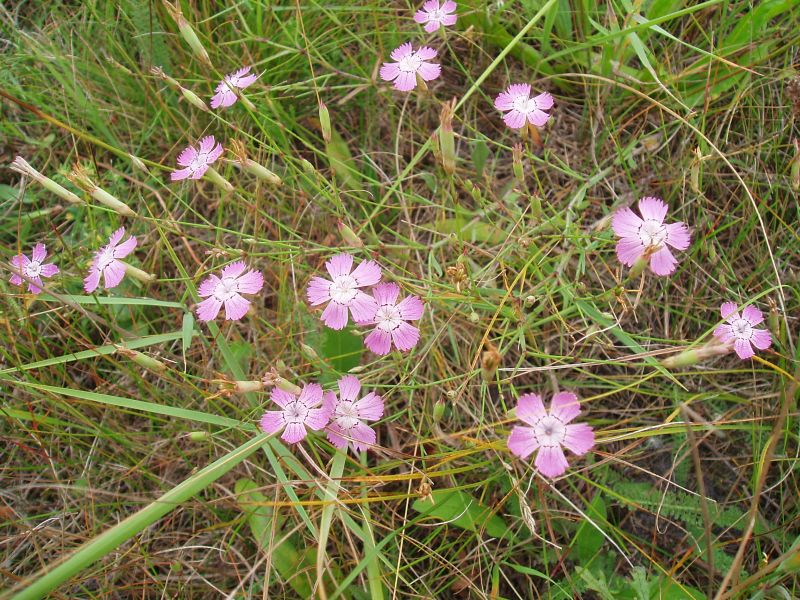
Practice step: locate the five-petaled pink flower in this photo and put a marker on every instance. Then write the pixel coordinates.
(239, 80)
(434, 15)
(297, 413)
(390, 320)
(521, 107)
(347, 415)
(197, 160)
(648, 236)
(409, 64)
(107, 262)
(343, 292)
(228, 290)
(31, 270)
(741, 330)
(549, 431)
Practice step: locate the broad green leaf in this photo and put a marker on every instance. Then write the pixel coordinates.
(458, 508)
(588, 540)
(342, 349)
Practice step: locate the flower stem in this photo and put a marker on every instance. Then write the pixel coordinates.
(218, 180)
(331, 493)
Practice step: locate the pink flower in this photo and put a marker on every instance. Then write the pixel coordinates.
(297, 413)
(343, 291)
(549, 431)
(410, 64)
(648, 236)
(433, 15)
(740, 329)
(521, 107)
(32, 269)
(347, 415)
(197, 160)
(390, 320)
(225, 96)
(228, 290)
(106, 262)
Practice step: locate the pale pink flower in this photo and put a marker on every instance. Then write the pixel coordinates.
(549, 431)
(740, 330)
(107, 262)
(347, 415)
(297, 413)
(31, 270)
(239, 80)
(343, 292)
(434, 15)
(391, 320)
(409, 64)
(522, 108)
(227, 290)
(648, 236)
(197, 160)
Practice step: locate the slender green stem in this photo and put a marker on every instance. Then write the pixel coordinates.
(331, 493)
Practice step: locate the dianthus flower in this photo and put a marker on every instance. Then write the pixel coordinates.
(434, 15)
(347, 415)
(31, 270)
(297, 413)
(197, 160)
(740, 330)
(391, 320)
(521, 108)
(342, 291)
(225, 95)
(107, 262)
(227, 290)
(409, 64)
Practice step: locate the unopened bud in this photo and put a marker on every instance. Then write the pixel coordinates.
(187, 33)
(490, 360)
(218, 180)
(244, 162)
(272, 379)
(309, 352)
(80, 177)
(21, 166)
(349, 236)
(245, 387)
(474, 317)
(639, 266)
(138, 274)
(516, 154)
(794, 170)
(694, 171)
(193, 99)
(325, 122)
(308, 167)
(199, 436)
(148, 362)
(447, 147)
(687, 358)
(188, 95)
(438, 410)
(137, 162)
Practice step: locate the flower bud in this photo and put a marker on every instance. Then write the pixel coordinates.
(137, 273)
(325, 122)
(193, 99)
(310, 353)
(137, 162)
(447, 148)
(272, 379)
(245, 387)
(794, 170)
(474, 317)
(148, 362)
(218, 180)
(490, 360)
(438, 410)
(21, 166)
(242, 161)
(187, 33)
(199, 436)
(188, 95)
(694, 171)
(80, 177)
(516, 154)
(687, 358)
(349, 236)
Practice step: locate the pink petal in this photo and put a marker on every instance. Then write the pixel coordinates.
(551, 461)
(379, 341)
(538, 118)
(341, 264)
(16, 280)
(92, 280)
(431, 5)
(752, 314)
(236, 307)
(199, 172)
(522, 441)
(432, 26)
(39, 252)
(389, 71)
(293, 433)
(426, 53)
(449, 6)
(116, 237)
(335, 316)
(207, 287)
(626, 223)
(208, 309)
(19, 262)
(335, 435)
(311, 394)
(544, 101)
(223, 98)
(386, 293)
(411, 308)
(187, 155)
(678, 236)
(514, 119)
(724, 333)
(240, 73)
(579, 438)
(281, 397)
(363, 308)
(519, 90)
(49, 270)
(113, 274)
(629, 250)
(318, 291)
(214, 154)
(530, 408)
(180, 174)
(362, 437)
(728, 311)
(370, 407)
(317, 418)
(329, 402)
(272, 421)
(35, 285)
(504, 101)
(402, 51)
(663, 262)
(349, 387)
(653, 208)
(565, 406)
(743, 349)
(449, 20)
(405, 81)
(250, 283)
(234, 269)
(367, 273)
(405, 337)
(761, 339)
(429, 71)
(125, 248)
(206, 144)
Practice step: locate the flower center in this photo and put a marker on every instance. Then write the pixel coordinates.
(523, 104)
(410, 64)
(295, 412)
(226, 289)
(742, 329)
(388, 317)
(33, 269)
(652, 233)
(343, 289)
(435, 15)
(199, 161)
(550, 431)
(346, 415)
(105, 259)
